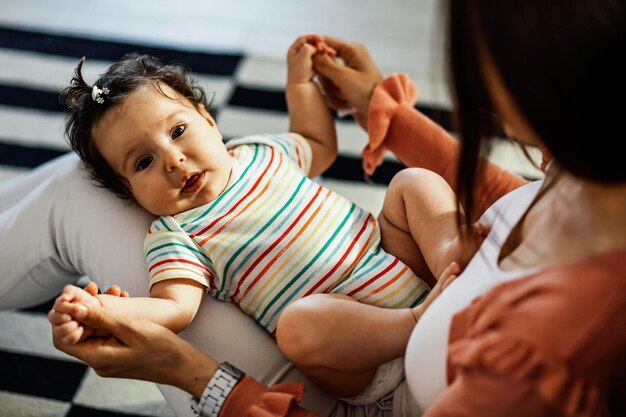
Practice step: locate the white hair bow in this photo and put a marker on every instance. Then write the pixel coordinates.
(96, 94)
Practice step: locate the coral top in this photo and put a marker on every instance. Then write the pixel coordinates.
(550, 344)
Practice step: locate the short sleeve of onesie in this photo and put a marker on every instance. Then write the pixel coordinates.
(293, 145)
(171, 253)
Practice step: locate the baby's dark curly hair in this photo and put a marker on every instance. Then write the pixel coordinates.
(121, 79)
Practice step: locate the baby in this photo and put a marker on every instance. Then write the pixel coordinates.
(241, 221)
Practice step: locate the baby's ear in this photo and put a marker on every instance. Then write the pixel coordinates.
(205, 113)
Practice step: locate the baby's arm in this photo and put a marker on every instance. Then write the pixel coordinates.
(180, 300)
(172, 303)
(308, 113)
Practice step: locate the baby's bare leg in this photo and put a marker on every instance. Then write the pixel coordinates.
(418, 222)
(339, 343)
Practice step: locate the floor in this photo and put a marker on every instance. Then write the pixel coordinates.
(237, 49)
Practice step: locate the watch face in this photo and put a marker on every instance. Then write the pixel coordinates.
(232, 370)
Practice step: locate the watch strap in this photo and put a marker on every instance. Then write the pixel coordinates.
(217, 390)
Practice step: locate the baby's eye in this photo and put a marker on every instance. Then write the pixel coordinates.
(178, 131)
(144, 163)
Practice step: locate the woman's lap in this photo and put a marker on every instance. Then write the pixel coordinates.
(56, 226)
(33, 269)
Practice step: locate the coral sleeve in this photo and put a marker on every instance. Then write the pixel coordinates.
(395, 125)
(473, 394)
(249, 398)
(498, 374)
(551, 344)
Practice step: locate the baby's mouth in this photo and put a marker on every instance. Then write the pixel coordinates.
(193, 183)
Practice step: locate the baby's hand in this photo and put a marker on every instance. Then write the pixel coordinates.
(63, 314)
(65, 309)
(446, 278)
(300, 57)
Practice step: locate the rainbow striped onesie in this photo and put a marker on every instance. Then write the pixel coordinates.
(274, 236)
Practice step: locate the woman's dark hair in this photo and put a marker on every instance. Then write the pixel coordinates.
(121, 79)
(562, 63)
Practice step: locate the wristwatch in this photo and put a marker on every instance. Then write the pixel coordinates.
(217, 390)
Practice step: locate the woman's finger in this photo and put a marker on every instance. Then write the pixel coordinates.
(115, 290)
(91, 288)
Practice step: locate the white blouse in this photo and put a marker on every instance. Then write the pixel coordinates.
(426, 353)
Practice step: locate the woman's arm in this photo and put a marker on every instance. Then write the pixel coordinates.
(385, 108)
(394, 124)
(141, 349)
(480, 393)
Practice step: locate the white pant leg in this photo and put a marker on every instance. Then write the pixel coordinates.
(56, 226)
(13, 191)
(32, 268)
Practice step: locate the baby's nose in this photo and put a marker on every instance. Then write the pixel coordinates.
(175, 160)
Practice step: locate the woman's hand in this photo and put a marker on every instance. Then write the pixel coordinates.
(139, 349)
(348, 85)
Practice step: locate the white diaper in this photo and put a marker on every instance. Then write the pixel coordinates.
(386, 379)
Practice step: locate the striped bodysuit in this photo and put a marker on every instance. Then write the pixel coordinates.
(274, 236)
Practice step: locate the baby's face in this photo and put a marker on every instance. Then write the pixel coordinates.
(170, 152)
